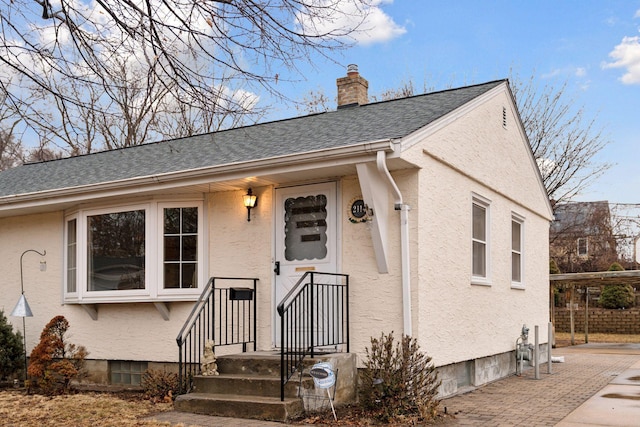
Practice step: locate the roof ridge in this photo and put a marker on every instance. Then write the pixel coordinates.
(271, 122)
(452, 89)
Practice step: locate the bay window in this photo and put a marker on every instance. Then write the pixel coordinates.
(144, 252)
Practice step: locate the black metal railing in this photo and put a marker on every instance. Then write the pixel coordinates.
(225, 314)
(314, 317)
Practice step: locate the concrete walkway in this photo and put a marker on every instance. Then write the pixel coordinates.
(617, 404)
(598, 385)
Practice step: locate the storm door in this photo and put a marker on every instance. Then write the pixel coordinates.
(305, 236)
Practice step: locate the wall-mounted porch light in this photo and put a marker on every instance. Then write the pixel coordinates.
(250, 201)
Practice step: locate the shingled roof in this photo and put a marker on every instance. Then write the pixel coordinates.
(312, 133)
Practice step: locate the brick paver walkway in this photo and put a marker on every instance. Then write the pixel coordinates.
(529, 402)
(513, 401)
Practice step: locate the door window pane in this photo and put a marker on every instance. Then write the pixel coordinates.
(305, 228)
(116, 251)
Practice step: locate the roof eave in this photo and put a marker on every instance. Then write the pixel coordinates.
(300, 161)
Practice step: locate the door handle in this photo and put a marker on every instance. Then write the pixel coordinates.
(277, 268)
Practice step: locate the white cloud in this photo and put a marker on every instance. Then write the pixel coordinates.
(627, 55)
(378, 27)
(637, 15)
(552, 74)
(370, 22)
(565, 72)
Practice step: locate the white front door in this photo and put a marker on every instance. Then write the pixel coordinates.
(305, 236)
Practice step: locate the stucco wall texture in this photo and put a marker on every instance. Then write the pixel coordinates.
(453, 320)
(476, 154)
(131, 331)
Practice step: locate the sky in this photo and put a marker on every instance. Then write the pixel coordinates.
(593, 46)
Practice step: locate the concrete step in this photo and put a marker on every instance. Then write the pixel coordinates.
(258, 363)
(254, 407)
(248, 385)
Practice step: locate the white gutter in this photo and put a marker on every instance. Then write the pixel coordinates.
(404, 240)
(281, 164)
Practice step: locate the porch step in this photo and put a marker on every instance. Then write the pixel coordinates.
(258, 363)
(248, 385)
(240, 406)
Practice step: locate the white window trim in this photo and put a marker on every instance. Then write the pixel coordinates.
(66, 293)
(520, 220)
(160, 251)
(476, 199)
(153, 291)
(586, 246)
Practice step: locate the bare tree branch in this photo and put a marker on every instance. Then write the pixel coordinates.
(116, 73)
(190, 44)
(564, 141)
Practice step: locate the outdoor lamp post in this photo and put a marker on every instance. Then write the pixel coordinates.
(22, 308)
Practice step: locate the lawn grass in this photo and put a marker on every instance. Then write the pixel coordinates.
(83, 409)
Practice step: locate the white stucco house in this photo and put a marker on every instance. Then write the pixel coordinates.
(431, 206)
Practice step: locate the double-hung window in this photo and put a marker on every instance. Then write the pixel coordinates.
(145, 252)
(480, 273)
(583, 247)
(517, 245)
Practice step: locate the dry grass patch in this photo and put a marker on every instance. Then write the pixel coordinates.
(563, 339)
(85, 409)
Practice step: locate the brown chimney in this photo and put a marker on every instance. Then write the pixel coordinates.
(352, 90)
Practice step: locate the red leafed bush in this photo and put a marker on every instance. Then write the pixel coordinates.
(54, 362)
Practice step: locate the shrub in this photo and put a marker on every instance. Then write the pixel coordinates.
(11, 349)
(617, 296)
(616, 267)
(159, 385)
(553, 267)
(54, 362)
(398, 380)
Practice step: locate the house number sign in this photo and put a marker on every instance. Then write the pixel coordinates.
(358, 210)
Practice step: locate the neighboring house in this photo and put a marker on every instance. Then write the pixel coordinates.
(432, 205)
(581, 237)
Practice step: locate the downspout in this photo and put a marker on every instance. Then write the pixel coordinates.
(404, 239)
